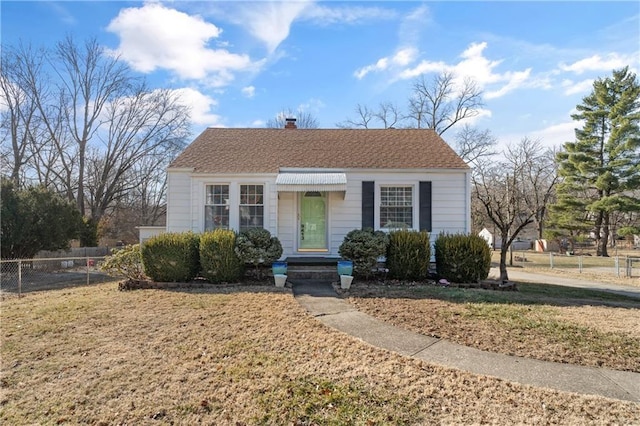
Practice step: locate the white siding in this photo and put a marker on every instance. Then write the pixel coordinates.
(287, 223)
(197, 193)
(450, 203)
(178, 201)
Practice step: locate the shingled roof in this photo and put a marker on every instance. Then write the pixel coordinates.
(234, 150)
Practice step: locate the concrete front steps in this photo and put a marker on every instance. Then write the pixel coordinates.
(309, 272)
(312, 268)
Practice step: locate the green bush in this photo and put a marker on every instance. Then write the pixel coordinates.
(172, 257)
(363, 247)
(218, 258)
(257, 247)
(126, 262)
(462, 258)
(408, 255)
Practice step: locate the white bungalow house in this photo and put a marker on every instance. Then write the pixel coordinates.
(310, 187)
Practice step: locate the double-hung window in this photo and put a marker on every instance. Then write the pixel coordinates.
(396, 207)
(216, 209)
(251, 206)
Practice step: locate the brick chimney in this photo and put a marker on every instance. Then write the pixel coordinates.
(290, 123)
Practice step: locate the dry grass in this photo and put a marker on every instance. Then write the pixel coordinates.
(238, 355)
(545, 322)
(594, 268)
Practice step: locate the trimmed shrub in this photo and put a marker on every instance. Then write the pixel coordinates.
(257, 247)
(462, 258)
(125, 262)
(172, 257)
(218, 258)
(408, 255)
(363, 247)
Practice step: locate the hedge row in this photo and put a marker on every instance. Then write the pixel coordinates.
(459, 258)
(218, 256)
(221, 255)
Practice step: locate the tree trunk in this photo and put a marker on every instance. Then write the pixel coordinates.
(605, 235)
(504, 276)
(598, 229)
(504, 251)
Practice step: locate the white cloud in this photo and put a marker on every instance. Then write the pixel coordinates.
(413, 24)
(258, 123)
(474, 65)
(380, 65)
(598, 63)
(248, 91)
(402, 57)
(201, 106)
(557, 134)
(312, 104)
(571, 87)
(514, 80)
(154, 36)
(405, 56)
(324, 15)
(270, 22)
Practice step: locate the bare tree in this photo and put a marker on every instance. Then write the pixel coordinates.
(512, 192)
(139, 126)
(364, 117)
(539, 175)
(473, 144)
(18, 119)
(304, 119)
(439, 104)
(89, 80)
(386, 116)
(93, 124)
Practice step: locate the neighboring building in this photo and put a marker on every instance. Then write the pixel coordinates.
(310, 187)
(487, 236)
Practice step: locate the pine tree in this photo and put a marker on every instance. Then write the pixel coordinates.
(602, 167)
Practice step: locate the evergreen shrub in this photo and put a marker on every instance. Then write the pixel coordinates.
(218, 259)
(462, 258)
(172, 257)
(408, 255)
(257, 247)
(363, 247)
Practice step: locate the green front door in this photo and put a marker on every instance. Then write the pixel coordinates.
(313, 221)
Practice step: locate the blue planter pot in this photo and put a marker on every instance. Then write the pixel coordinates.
(279, 268)
(345, 267)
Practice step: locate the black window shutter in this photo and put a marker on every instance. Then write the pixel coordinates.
(425, 206)
(368, 197)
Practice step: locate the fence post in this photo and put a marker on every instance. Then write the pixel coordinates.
(19, 277)
(86, 262)
(580, 264)
(628, 268)
(551, 260)
(617, 265)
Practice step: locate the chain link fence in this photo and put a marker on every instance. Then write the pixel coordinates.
(19, 276)
(619, 266)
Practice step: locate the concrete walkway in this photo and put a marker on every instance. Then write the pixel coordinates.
(322, 302)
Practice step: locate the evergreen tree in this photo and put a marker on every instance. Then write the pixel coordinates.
(35, 219)
(601, 168)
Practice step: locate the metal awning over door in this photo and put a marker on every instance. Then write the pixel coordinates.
(303, 182)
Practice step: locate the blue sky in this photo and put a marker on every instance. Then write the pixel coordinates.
(237, 64)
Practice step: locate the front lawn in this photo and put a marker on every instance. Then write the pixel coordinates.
(546, 322)
(238, 355)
